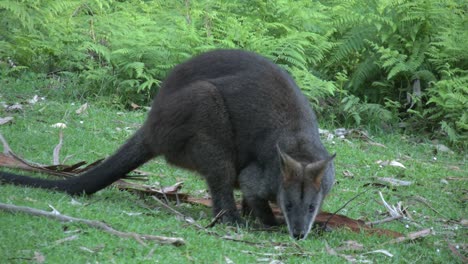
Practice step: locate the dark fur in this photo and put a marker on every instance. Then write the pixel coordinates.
(223, 114)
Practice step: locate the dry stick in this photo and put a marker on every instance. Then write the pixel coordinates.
(93, 223)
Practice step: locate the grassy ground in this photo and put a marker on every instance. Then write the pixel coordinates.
(435, 199)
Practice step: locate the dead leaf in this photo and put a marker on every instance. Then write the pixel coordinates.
(453, 167)
(392, 163)
(59, 125)
(94, 249)
(86, 249)
(38, 257)
(134, 106)
(349, 258)
(350, 245)
(34, 100)
(275, 261)
(323, 131)
(393, 182)
(63, 240)
(340, 221)
(75, 202)
(376, 144)
(443, 148)
(228, 260)
(172, 189)
(82, 109)
(341, 132)
(382, 251)
(14, 108)
(54, 211)
(5, 120)
(347, 173)
(132, 214)
(457, 178)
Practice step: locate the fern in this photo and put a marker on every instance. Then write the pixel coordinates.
(355, 60)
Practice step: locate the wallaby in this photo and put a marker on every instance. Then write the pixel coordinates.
(240, 121)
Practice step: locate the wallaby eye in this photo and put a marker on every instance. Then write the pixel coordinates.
(311, 208)
(289, 207)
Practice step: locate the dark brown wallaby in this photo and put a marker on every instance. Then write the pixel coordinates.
(240, 121)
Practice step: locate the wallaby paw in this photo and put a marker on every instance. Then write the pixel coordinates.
(232, 219)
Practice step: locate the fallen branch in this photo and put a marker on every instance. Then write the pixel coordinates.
(93, 223)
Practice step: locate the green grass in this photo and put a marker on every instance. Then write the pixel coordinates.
(102, 129)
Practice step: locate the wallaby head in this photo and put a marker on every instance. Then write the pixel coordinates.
(300, 194)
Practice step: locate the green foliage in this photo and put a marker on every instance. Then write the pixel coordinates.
(400, 59)
(403, 54)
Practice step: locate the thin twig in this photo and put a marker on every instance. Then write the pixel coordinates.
(216, 219)
(420, 199)
(341, 208)
(93, 223)
(187, 219)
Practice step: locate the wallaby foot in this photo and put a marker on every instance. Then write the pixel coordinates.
(246, 210)
(233, 218)
(262, 210)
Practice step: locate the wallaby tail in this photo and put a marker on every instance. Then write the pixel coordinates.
(128, 157)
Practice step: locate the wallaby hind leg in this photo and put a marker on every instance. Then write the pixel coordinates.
(220, 177)
(211, 149)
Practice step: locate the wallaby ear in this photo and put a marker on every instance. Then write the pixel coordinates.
(314, 171)
(287, 165)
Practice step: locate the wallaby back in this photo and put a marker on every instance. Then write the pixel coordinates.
(240, 121)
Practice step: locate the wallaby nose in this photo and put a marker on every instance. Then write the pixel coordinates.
(298, 234)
